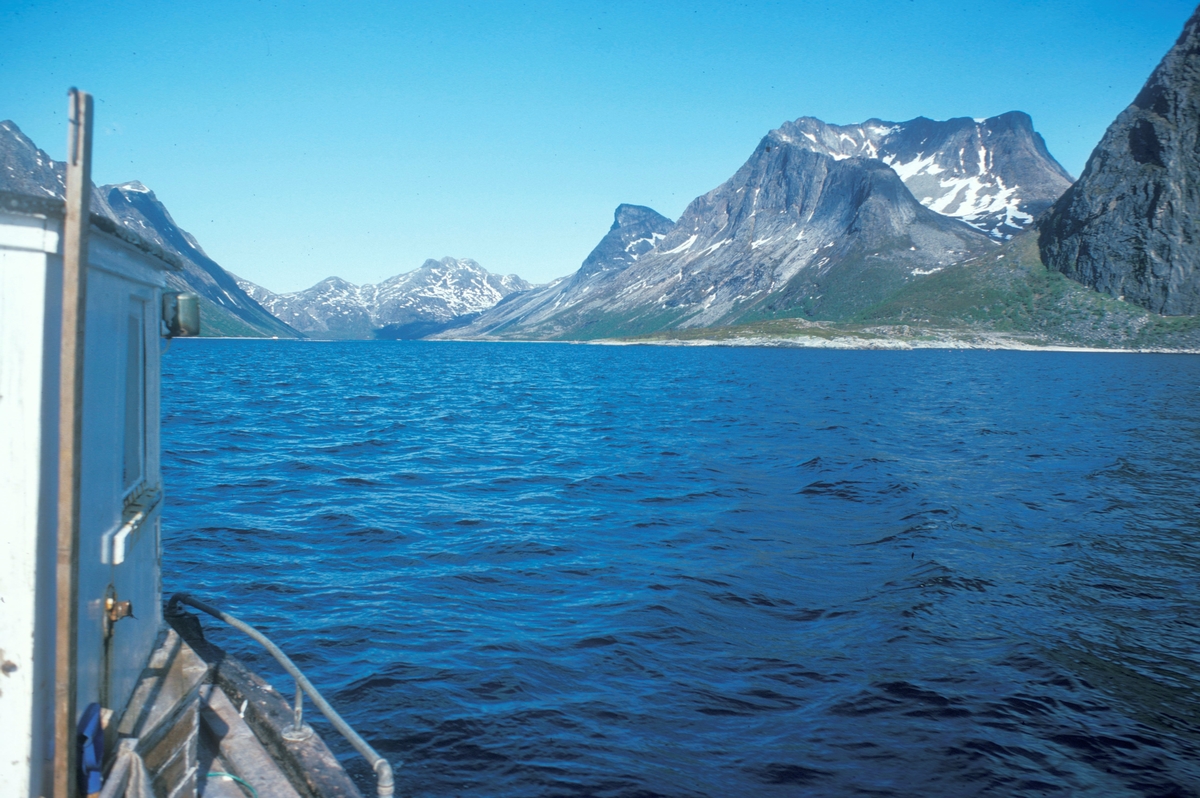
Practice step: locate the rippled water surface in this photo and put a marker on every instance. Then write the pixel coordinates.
(554, 570)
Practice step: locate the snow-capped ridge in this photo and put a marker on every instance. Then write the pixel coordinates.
(134, 186)
(437, 292)
(993, 173)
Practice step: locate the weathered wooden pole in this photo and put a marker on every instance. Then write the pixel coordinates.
(70, 422)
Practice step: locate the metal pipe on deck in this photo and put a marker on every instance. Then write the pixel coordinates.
(385, 784)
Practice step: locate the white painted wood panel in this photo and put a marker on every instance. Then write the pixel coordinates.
(122, 280)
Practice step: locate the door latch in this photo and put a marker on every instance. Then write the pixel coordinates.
(117, 610)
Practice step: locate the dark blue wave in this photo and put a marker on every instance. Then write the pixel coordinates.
(555, 570)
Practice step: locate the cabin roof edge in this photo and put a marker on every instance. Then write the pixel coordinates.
(53, 206)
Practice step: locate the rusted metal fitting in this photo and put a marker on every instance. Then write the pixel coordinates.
(117, 610)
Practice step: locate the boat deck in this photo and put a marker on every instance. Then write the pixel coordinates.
(200, 718)
(228, 745)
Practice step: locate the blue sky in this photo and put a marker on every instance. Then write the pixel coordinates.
(302, 140)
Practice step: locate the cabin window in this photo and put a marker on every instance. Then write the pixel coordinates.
(135, 396)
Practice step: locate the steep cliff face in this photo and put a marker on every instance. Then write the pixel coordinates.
(1130, 226)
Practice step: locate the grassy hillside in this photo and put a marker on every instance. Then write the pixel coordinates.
(593, 326)
(1011, 291)
(1004, 298)
(218, 322)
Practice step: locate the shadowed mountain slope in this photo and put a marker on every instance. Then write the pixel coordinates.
(1130, 226)
(226, 309)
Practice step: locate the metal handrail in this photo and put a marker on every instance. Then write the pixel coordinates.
(384, 786)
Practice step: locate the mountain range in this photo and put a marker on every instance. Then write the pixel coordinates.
(918, 231)
(968, 225)
(432, 298)
(822, 221)
(429, 299)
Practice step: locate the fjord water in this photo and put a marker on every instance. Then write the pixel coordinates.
(539, 569)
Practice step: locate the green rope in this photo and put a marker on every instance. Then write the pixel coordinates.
(231, 777)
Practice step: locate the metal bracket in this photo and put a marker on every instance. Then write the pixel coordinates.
(116, 610)
(113, 544)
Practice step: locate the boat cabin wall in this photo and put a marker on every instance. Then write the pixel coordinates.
(30, 315)
(121, 487)
(119, 546)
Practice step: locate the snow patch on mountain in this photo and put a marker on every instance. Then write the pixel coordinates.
(437, 293)
(995, 174)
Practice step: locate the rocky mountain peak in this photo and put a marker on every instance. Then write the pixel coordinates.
(139, 209)
(633, 215)
(1130, 226)
(26, 169)
(995, 174)
(132, 187)
(786, 223)
(635, 231)
(334, 284)
(429, 297)
(462, 275)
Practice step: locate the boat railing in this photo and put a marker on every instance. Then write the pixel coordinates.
(298, 730)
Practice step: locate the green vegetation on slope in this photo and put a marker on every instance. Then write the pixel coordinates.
(861, 280)
(1007, 295)
(217, 322)
(1012, 291)
(591, 325)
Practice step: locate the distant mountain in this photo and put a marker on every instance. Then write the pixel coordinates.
(799, 230)
(822, 221)
(438, 295)
(635, 231)
(1130, 226)
(226, 309)
(994, 174)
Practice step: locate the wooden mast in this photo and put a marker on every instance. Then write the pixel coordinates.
(76, 222)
